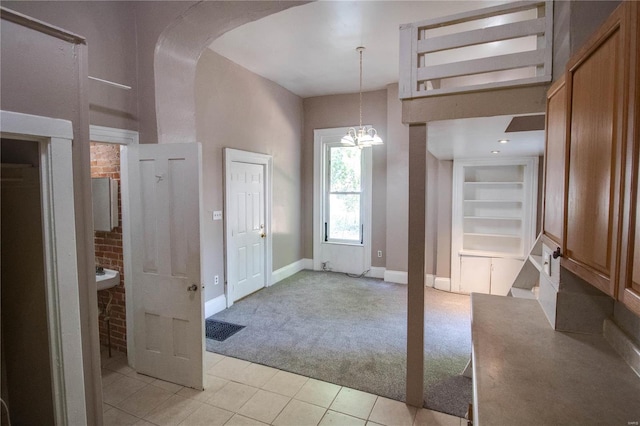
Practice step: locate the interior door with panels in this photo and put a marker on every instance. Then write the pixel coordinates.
(248, 232)
(165, 192)
(596, 80)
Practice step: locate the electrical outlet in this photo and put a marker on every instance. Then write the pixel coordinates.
(216, 280)
(379, 253)
(217, 215)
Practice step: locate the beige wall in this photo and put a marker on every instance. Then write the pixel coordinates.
(324, 112)
(238, 109)
(397, 183)
(109, 28)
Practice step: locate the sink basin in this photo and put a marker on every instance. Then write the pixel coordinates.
(110, 279)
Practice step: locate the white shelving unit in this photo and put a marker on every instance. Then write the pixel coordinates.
(494, 208)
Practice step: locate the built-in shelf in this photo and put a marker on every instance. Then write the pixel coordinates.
(493, 183)
(493, 201)
(494, 205)
(476, 234)
(519, 219)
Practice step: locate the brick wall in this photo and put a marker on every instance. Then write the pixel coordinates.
(105, 162)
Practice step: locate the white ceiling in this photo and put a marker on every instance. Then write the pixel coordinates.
(477, 137)
(310, 49)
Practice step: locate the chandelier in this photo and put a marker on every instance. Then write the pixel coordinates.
(362, 137)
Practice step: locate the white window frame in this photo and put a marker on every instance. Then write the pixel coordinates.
(326, 193)
(332, 136)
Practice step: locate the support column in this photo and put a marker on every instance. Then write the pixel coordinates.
(415, 302)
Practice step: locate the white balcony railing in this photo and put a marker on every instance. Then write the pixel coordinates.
(501, 46)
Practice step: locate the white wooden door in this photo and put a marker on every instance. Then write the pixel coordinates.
(475, 274)
(165, 196)
(248, 232)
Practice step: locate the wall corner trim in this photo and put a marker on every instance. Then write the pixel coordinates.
(442, 283)
(398, 277)
(215, 305)
(429, 280)
(377, 272)
(290, 269)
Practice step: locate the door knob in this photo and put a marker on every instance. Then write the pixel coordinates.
(262, 235)
(556, 254)
(192, 287)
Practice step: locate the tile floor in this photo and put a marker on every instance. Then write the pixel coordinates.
(241, 393)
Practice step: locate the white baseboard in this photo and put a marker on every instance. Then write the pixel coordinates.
(215, 305)
(376, 272)
(442, 283)
(429, 280)
(290, 269)
(398, 277)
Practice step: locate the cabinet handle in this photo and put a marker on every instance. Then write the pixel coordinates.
(556, 254)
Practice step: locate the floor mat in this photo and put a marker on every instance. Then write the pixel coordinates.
(220, 330)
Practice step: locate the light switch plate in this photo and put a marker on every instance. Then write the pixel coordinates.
(217, 215)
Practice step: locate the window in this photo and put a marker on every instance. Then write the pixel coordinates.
(343, 222)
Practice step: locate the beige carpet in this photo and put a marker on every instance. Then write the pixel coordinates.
(352, 332)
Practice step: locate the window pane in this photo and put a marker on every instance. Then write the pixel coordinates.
(344, 217)
(345, 169)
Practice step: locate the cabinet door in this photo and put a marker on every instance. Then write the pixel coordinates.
(475, 274)
(596, 79)
(554, 162)
(629, 289)
(503, 273)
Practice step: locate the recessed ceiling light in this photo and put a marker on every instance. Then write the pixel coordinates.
(503, 140)
(495, 152)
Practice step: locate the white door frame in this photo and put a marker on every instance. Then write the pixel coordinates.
(318, 196)
(54, 137)
(235, 155)
(123, 138)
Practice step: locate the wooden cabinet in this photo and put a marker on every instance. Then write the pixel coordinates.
(592, 161)
(629, 281)
(554, 163)
(597, 82)
(488, 275)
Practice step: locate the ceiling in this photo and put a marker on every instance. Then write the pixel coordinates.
(310, 49)
(477, 137)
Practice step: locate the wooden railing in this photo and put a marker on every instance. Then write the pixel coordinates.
(501, 46)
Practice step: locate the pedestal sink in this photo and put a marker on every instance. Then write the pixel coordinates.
(110, 279)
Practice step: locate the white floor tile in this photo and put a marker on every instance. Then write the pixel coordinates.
(211, 359)
(354, 403)
(238, 420)
(212, 384)
(285, 383)
(173, 411)
(298, 413)
(121, 389)
(264, 406)
(256, 375)
(207, 415)
(142, 402)
(229, 368)
(318, 393)
(109, 376)
(333, 418)
(426, 417)
(232, 396)
(168, 386)
(115, 417)
(390, 412)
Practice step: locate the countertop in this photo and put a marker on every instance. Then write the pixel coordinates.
(524, 372)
